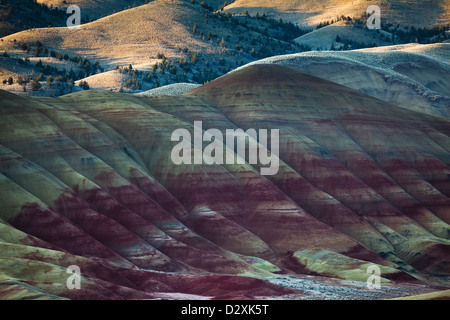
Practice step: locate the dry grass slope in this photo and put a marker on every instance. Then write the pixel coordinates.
(439, 295)
(87, 179)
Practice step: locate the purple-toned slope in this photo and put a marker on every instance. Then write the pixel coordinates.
(87, 179)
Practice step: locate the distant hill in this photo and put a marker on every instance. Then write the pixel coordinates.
(91, 9)
(103, 8)
(361, 159)
(342, 35)
(312, 12)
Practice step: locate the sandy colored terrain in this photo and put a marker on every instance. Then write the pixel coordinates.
(310, 13)
(132, 36)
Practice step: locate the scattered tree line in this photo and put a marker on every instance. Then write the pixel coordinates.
(390, 33)
(19, 15)
(61, 79)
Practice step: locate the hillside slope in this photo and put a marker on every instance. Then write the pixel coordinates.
(406, 12)
(169, 40)
(103, 8)
(132, 36)
(87, 179)
(415, 77)
(325, 38)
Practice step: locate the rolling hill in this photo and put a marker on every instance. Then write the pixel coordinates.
(361, 177)
(187, 43)
(311, 13)
(87, 179)
(137, 34)
(411, 76)
(103, 8)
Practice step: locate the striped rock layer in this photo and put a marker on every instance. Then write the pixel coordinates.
(87, 179)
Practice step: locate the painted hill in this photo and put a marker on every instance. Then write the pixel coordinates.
(411, 76)
(171, 89)
(87, 179)
(137, 34)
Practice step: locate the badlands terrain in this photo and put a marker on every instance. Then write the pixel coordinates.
(87, 178)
